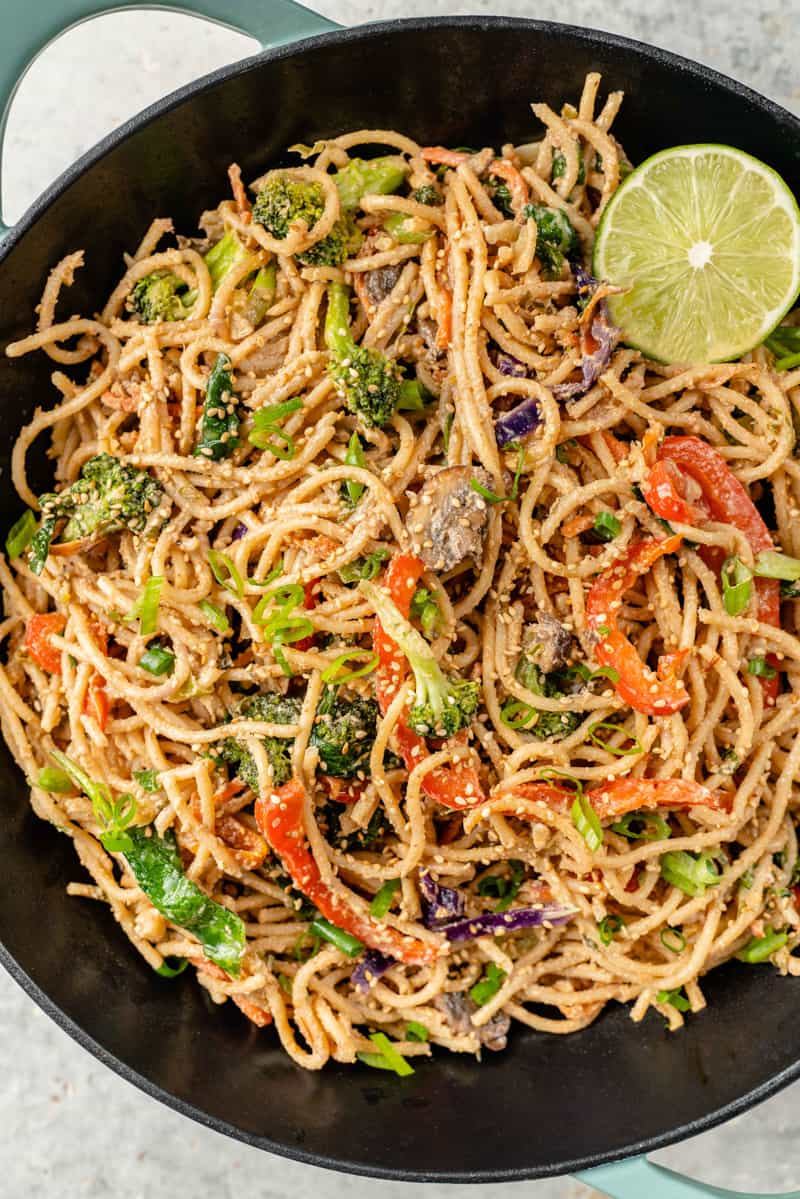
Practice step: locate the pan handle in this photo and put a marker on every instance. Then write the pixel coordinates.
(637, 1178)
(30, 25)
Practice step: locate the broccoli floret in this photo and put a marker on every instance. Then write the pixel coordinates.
(105, 498)
(556, 238)
(443, 704)
(427, 194)
(277, 709)
(501, 198)
(160, 297)
(369, 177)
(552, 686)
(369, 382)
(283, 201)
(343, 733)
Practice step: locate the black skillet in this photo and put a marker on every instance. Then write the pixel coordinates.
(549, 1105)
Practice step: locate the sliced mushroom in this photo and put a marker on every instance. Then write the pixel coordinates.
(547, 643)
(449, 519)
(382, 281)
(457, 1009)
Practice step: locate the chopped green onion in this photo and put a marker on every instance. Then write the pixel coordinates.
(267, 424)
(607, 526)
(148, 607)
(414, 397)
(642, 826)
(761, 668)
(147, 780)
(602, 672)
(759, 949)
(367, 567)
(274, 574)
(383, 899)
(167, 971)
(20, 535)
(387, 1057)
(216, 616)
(603, 630)
(771, 565)
(608, 927)
(352, 491)
(675, 998)
(515, 714)
(487, 987)
(157, 660)
(788, 363)
(343, 941)
(285, 983)
(417, 1032)
(272, 414)
(490, 496)
(747, 880)
(673, 940)
(636, 748)
(113, 815)
(283, 599)
(331, 673)
(226, 573)
(57, 781)
(690, 873)
(586, 821)
(298, 950)
(504, 889)
(737, 586)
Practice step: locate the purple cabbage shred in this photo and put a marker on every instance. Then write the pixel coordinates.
(369, 968)
(518, 423)
(468, 928)
(598, 341)
(439, 903)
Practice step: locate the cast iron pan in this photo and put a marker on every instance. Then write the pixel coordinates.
(549, 1104)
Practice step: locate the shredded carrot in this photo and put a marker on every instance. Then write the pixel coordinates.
(445, 314)
(577, 525)
(500, 167)
(239, 193)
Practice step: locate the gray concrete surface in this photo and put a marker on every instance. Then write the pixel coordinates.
(70, 1128)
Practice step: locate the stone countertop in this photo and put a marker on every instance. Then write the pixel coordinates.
(73, 1129)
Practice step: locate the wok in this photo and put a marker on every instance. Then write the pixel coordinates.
(549, 1105)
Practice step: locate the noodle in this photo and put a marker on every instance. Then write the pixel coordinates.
(474, 313)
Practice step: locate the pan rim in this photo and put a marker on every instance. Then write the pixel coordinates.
(592, 37)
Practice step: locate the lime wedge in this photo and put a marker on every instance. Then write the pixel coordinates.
(707, 241)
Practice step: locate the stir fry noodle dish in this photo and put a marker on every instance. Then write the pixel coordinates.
(407, 638)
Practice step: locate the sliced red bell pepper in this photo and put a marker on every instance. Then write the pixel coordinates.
(310, 601)
(614, 798)
(279, 816)
(654, 694)
(456, 786)
(38, 631)
(722, 498)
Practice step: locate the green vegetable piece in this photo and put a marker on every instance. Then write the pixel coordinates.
(369, 177)
(350, 491)
(442, 704)
(223, 257)
(284, 201)
(608, 928)
(226, 573)
(488, 985)
(689, 872)
(167, 971)
(115, 816)
(262, 294)
(20, 534)
(675, 998)
(274, 709)
(737, 585)
(407, 230)
(147, 780)
(771, 565)
(556, 238)
(559, 167)
(57, 781)
(344, 942)
(642, 826)
(367, 379)
(160, 296)
(367, 567)
(673, 940)
(157, 660)
(427, 194)
(586, 821)
(606, 526)
(760, 949)
(148, 605)
(413, 396)
(761, 668)
(490, 496)
(383, 899)
(216, 616)
(504, 888)
(157, 868)
(417, 1032)
(387, 1058)
(106, 498)
(219, 423)
(784, 343)
(425, 609)
(343, 733)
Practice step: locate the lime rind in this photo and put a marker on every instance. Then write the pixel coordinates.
(752, 276)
